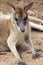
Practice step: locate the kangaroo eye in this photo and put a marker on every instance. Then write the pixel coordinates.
(25, 18)
(25, 22)
(16, 19)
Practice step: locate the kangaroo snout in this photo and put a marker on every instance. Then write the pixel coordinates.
(22, 28)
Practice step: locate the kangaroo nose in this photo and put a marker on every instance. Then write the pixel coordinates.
(22, 27)
(23, 30)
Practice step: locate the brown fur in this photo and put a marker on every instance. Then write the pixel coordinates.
(4, 32)
(20, 13)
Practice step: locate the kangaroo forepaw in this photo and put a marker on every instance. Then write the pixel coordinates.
(21, 63)
(35, 56)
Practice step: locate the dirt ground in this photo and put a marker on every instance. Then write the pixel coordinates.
(7, 58)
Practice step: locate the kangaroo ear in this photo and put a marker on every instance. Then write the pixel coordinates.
(27, 7)
(10, 5)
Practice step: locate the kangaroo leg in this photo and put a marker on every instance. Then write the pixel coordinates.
(12, 46)
(29, 42)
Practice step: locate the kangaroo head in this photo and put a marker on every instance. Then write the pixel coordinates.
(21, 16)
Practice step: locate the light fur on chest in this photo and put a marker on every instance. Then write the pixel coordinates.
(16, 35)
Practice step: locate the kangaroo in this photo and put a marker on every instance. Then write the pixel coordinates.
(20, 30)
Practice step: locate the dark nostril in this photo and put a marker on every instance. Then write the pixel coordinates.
(23, 30)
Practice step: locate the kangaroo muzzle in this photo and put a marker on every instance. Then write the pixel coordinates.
(22, 28)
